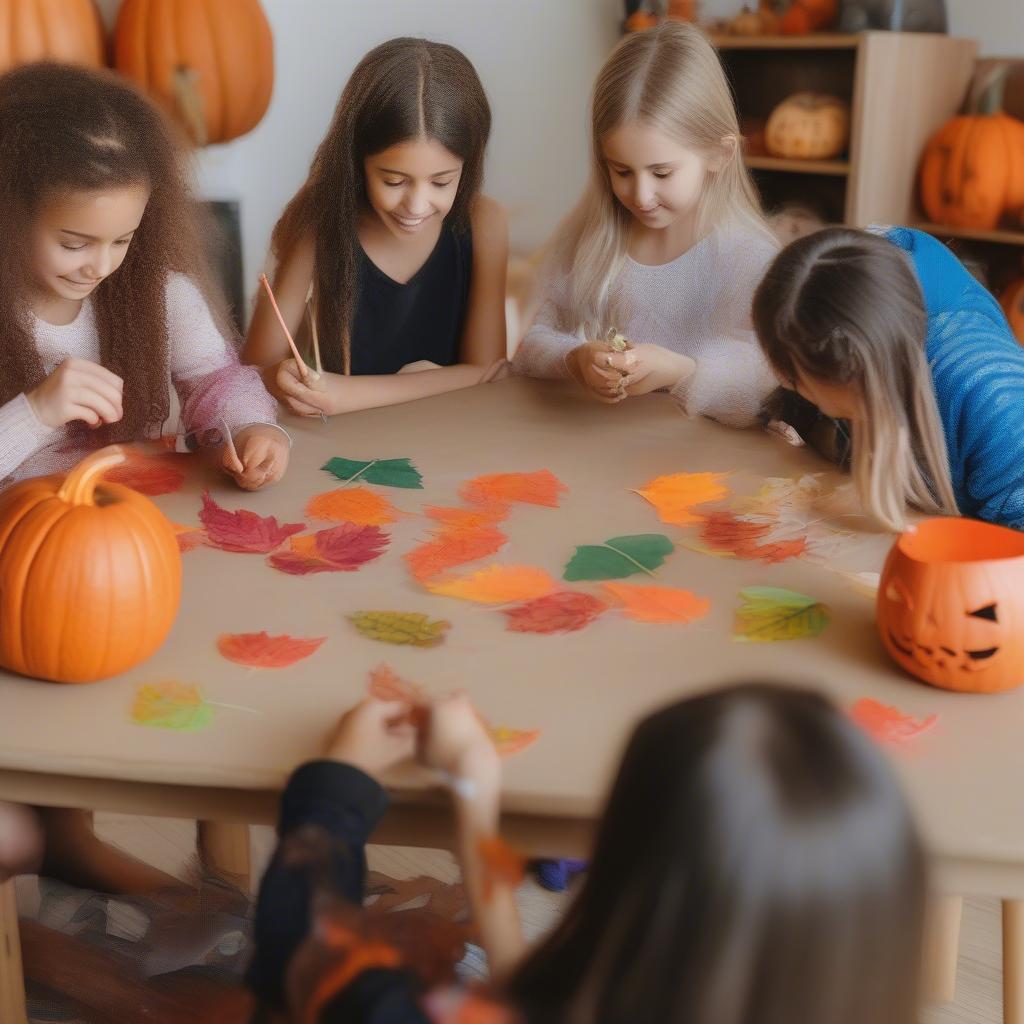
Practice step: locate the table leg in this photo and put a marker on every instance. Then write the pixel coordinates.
(224, 849)
(941, 949)
(12, 979)
(1013, 961)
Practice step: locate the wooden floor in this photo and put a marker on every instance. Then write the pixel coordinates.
(170, 845)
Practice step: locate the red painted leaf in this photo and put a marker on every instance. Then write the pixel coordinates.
(148, 474)
(723, 532)
(888, 724)
(260, 650)
(556, 613)
(243, 530)
(343, 548)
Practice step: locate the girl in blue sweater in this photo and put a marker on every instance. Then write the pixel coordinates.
(888, 334)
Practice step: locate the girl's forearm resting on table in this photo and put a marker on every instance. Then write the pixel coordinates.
(350, 394)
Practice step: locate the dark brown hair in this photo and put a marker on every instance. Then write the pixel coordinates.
(756, 864)
(65, 129)
(844, 307)
(401, 90)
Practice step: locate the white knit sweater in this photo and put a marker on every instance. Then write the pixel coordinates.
(697, 305)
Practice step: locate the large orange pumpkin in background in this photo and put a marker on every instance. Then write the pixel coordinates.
(68, 31)
(951, 605)
(210, 63)
(806, 16)
(972, 171)
(90, 575)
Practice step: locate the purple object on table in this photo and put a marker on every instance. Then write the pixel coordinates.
(555, 875)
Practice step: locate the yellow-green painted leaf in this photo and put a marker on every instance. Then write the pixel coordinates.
(413, 628)
(769, 614)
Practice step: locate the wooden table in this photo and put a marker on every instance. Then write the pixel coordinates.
(76, 746)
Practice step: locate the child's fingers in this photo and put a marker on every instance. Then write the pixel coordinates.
(621, 361)
(99, 374)
(301, 408)
(108, 411)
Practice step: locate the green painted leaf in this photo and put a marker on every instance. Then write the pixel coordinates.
(171, 705)
(401, 627)
(619, 557)
(387, 472)
(769, 614)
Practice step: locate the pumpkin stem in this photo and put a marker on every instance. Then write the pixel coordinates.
(990, 89)
(80, 484)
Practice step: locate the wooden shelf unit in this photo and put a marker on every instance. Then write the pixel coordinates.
(997, 237)
(901, 86)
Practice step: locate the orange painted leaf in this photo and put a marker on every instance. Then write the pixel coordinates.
(386, 685)
(539, 488)
(502, 865)
(512, 741)
(563, 612)
(724, 533)
(497, 584)
(359, 505)
(658, 604)
(243, 530)
(455, 520)
(189, 537)
(148, 474)
(676, 496)
(260, 650)
(452, 549)
(888, 724)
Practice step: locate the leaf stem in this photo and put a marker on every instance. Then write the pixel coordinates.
(365, 469)
(642, 568)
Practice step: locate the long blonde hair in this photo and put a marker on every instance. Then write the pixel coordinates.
(844, 307)
(670, 78)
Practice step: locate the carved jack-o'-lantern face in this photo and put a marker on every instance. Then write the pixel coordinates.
(951, 605)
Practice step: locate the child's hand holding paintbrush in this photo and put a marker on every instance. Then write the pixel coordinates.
(256, 456)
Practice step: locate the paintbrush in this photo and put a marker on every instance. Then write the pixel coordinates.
(230, 442)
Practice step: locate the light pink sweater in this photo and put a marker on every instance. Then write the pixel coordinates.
(210, 383)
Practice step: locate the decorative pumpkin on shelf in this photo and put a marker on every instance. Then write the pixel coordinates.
(640, 21)
(208, 62)
(1012, 301)
(808, 126)
(806, 16)
(681, 10)
(972, 171)
(951, 604)
(90, 575)
(749, 22)
(70, 32)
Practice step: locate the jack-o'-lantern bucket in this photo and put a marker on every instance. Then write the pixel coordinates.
(951, 604)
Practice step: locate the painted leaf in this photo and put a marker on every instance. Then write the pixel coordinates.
(512, 741)
(676, 496)
(260, 650)
(723, 533)
(413, 628)
(452, 549)
(387, 472)
(148, 474)
(343, 548)
(769, 614)
(171, 705)
(497, 584)
(619, 557)
(888, 724)
(189, 537)
(562, 612)
(539, 488)
(781, 496)
(658, 604)
(456, 520)
(501, 864)
(359, 505)
(386, 685)
(243, 530)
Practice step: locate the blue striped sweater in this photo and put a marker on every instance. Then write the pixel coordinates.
(978, 371)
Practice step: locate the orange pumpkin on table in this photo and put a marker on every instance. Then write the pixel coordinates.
(806, 16)
(90, 575)
(1012, 301)
(69, 31)
(209, 62)
(972, 171)
(951, 604)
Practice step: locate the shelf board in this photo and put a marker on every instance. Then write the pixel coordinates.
(973, 234)
(813, 41)
(838, 168)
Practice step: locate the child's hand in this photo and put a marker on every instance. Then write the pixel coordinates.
(262, 457)
(373, 736)
(454, 740)
(305, 399)
(600, 370)
(651, 368)
(78, 390)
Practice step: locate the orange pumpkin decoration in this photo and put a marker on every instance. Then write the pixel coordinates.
(90, 575)
(972, 171)
(808, 126)
(210, 63)
(70, 31)
(1012, 301)
(806, 16)
(951, 605)
(640, 21)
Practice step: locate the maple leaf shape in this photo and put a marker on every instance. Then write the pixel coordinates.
(456, 520)
(260, 650)
(658, 604)
(497, 584)
(171, 705)
(562, 612)
(343, 548)
(148, 474)
(243, 530)
(725, 534)
(676, 495)
(539, 488)
(888, 724)
(386, 685)
(452, 549)
(359, 505)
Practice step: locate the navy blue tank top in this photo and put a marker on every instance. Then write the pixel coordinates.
(395, 324)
